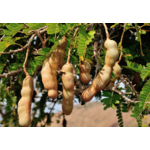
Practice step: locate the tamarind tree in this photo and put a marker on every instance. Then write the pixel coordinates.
(54, 55)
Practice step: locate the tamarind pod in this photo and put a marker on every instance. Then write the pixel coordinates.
(24, 105)
(102, 79)
(54, 64)
(67, 102)
(61, 48)
(48, 74)
(62, 56)
(112, 52)
(68, 89)
(49, 80)
(117, 72)
(63, 42)
(85, 69)
(54, 61)
(111, 84)
(88, 94)
(99, 83)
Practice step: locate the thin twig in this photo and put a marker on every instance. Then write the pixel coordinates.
(106, 30)
(141, 46)
(2, 38)
(11, 73)
(121, 42)
(24, 64)
(54, 103)
(26, 25)
(69, 52)
(29, 42)
(40, 37)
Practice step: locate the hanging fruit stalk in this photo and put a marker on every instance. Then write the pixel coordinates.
(68, 84)
(24, 105)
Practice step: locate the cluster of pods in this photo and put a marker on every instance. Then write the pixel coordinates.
(49, 78)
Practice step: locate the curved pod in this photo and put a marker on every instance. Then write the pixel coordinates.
(24, 105)
(117, 72)
(112, 53)
(104, 76)
(61, 49)
(48, 74)
(99, 83)
(68, 89)
(85, 69)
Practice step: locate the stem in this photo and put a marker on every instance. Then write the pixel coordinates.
(121, 43)
(24, 64)
(69, 52)
(106, 30)
(141, 45)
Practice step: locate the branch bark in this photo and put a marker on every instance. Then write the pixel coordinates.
(11, 73)
(30, 40)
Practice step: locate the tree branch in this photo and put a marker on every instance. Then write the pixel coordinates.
(29, 42)
(26, 25)
(11, 73)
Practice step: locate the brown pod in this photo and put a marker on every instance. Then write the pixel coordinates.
(117, 72)
(88, 94)
(24, 105)
(99, 83)
(48, 74)
(111, 84)
(68, 89)
(85, 69)
(61, 49)
(112, 53)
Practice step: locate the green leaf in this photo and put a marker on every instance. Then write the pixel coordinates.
(53, 28)
(134, 66)
(142, 31)
(114, 25)
(44, 51)
(33, 26)
(81, 42)
(145, 72)
(16, 29)
(34, 64)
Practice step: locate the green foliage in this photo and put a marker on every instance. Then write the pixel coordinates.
(53, 28)
(83, 40)
(134, 66)
(119, 115)
(145, 72)
(144, 95)
(34, 64)
(33, 26)
(39, 106)
(110, 100)
(144, 98)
